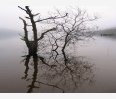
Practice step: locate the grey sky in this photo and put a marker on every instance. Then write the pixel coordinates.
(9, 12)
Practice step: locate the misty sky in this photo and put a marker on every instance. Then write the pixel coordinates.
(9, 12)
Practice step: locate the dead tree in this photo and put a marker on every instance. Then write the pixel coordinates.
(76, 26)
(33, 44)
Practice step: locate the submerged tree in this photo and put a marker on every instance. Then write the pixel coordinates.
(56, 68)
(66, 28)
(33, 44)
(74, 27)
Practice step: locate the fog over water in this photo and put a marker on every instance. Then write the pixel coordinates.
(87, 66)
(99, 55)
(104, 9)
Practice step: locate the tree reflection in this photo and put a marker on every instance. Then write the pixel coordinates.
(57, 73)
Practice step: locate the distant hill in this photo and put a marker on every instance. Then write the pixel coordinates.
(5, 33)
(111, 31)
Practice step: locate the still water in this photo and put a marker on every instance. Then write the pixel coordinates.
(91, 67)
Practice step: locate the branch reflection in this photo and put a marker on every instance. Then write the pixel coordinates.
(64, 73)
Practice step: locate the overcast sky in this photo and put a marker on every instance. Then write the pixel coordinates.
(9, 12)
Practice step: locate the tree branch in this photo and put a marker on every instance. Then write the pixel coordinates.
(26, 32)
(22, 9)
(55, 17)
(36, 14)
(42, 35)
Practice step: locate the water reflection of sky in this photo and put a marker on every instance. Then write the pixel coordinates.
(99, 52)
(102, 52)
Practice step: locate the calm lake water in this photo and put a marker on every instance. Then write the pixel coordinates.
(93, 62)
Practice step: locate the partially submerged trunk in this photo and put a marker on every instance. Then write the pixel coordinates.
(32, 49)
(32, 45)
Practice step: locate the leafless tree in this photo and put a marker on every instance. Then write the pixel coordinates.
(77, 25)
(66, 28)
(33, 44)
(57, 69)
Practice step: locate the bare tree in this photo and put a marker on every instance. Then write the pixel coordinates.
(57, 69)
(69, 28)
(75, 26)
(33, 44)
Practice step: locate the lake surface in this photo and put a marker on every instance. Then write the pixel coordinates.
(93, 63)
